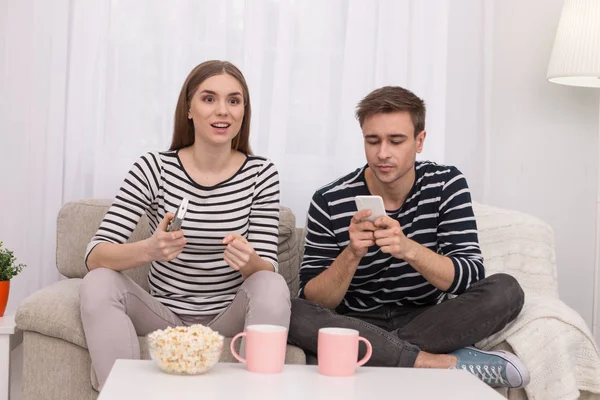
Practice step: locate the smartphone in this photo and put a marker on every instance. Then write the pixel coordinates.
(175, 223)
(373, 203)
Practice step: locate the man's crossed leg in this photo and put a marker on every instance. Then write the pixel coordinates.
(438, 336)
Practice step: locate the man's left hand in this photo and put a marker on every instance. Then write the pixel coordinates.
(390, 238)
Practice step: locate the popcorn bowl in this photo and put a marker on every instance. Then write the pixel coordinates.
(185, 350)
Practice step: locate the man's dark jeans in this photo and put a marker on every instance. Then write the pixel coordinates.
(398, 333)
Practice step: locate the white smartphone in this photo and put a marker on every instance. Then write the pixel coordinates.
(373, 203)
(175, 223)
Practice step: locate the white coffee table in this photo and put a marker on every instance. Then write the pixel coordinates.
(10, 338)
(135, 379)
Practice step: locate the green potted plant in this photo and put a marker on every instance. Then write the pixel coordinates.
(8, 270)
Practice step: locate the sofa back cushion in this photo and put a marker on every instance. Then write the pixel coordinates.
(78, 221)
(518, 244)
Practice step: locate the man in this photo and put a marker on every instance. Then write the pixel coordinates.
(412, 282)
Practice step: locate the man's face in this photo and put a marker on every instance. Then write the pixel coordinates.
(390, 145)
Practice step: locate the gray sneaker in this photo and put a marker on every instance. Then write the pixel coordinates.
(496, 368)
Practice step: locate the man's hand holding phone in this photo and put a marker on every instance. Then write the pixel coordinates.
(387, 232)
(390, 238)
(361, 232)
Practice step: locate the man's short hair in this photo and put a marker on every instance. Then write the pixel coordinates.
(389, 99)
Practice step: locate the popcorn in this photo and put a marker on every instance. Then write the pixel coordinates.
(187, 350)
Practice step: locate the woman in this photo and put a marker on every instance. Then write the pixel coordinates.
(220, 268)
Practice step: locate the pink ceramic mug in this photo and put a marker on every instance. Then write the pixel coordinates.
(265, 348)
(338, 351)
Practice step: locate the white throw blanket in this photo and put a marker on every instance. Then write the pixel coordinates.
(551, 339)
(556, 346)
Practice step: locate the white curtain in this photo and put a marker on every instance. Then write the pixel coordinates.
(88, 86)
(307, 64)
(34, 40)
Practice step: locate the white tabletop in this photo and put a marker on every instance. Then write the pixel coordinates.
(136, 379)
(7, 325)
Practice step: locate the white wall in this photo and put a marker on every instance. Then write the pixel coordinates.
(543, 138)
(545, 142)
(465, 108)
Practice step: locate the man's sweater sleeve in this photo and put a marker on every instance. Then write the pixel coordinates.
(321, 247)
(457, 233)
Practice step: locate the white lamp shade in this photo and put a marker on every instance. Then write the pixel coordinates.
(575, 57)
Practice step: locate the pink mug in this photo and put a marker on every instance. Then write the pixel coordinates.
(338, 351)
(265, 348)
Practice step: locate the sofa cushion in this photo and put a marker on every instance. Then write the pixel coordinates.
(287, 250)
(520, 245)
(77, 223)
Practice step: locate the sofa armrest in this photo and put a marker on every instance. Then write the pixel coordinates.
(54, 311)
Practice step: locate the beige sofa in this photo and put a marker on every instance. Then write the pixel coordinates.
(56, 363)
(550, 338)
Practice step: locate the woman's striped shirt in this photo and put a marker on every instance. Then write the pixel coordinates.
(198, 281)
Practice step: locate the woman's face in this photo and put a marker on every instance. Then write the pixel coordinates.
(217, 109)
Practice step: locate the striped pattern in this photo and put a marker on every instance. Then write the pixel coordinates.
(437, 213)
(198, 281)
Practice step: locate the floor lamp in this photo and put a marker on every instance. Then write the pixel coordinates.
(575, 61)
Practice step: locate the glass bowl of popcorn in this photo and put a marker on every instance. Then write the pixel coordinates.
(185, 350)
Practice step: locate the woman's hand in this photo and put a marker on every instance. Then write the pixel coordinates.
(238, 253)
(163, 245)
